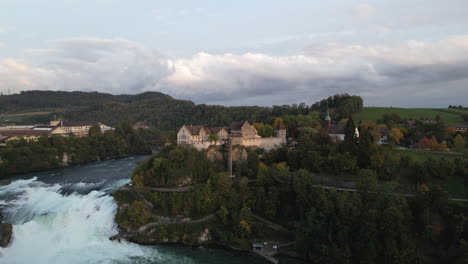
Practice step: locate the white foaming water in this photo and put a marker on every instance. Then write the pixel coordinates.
(50, 227)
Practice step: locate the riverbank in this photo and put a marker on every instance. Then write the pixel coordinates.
(268, 256)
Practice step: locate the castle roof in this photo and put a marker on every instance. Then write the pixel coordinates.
(237, 125)
(280, 126)
(327, 117)
(195, 130)
(216, 130)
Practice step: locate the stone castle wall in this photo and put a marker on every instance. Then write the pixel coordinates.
(199, 145)
(268, 143)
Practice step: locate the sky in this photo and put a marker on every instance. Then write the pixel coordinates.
(259, 52)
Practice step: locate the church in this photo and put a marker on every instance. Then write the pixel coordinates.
(244, 134)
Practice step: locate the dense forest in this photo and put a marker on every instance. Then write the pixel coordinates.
(159, 110)
(376, 224)
(46, 100)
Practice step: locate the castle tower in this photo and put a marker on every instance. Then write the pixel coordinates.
(280, 131)
(327, 120)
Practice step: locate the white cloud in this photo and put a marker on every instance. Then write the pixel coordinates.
(364, 10)
(381, 73)
(170, 14)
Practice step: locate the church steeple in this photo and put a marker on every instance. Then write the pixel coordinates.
(327, 120)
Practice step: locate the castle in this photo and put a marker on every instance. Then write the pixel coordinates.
(244, 134)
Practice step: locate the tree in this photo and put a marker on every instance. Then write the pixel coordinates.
(278, 121)
(264, 130)
(423, 143)
(433, 144)
(95, 130)
(439, 130)
(213, 137)
(396, 135)
(350, 132)
(459, 142)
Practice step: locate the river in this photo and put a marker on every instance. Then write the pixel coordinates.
(67, 216)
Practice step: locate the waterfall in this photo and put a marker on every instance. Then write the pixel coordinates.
(52, 227)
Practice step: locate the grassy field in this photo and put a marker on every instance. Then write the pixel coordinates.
(421, 156)
(454, 186)
(450, 116)
(26, 118)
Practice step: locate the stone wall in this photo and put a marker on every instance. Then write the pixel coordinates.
(268, 143)
(199, 145)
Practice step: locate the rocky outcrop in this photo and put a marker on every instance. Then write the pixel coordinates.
(239, 154)
(204, 236)
(5, 182)
(65, 159)
(6, 231)
(214, 154)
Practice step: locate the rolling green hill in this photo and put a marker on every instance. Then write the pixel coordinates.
(450, 116)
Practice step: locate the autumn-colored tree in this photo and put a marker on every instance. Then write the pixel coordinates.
(451, 131)
(245, 227)
(423, 143)
(434, 144)
(458, 142)
(443, 146)
(396, 135)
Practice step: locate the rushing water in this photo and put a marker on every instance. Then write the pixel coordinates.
(67, 216)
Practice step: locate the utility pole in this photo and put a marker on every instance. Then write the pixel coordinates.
(230, 157)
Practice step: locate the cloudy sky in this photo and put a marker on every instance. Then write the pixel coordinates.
(393, 53)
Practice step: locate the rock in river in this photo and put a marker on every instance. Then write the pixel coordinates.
(6, 230)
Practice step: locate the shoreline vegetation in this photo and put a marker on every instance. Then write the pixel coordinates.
(53, 152)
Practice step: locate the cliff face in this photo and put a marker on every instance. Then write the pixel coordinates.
(239, 153)
(182, 233)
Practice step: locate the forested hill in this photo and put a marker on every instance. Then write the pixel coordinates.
(155, 109)
(54, 100)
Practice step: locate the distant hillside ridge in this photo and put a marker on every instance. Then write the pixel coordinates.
(47, 100)
(155, 109)
(449, 116)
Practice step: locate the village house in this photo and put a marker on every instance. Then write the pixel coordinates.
(460, 128)
(385, 135)
(31, 134)
(336, 131)
(244, 134)
(80, 128)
